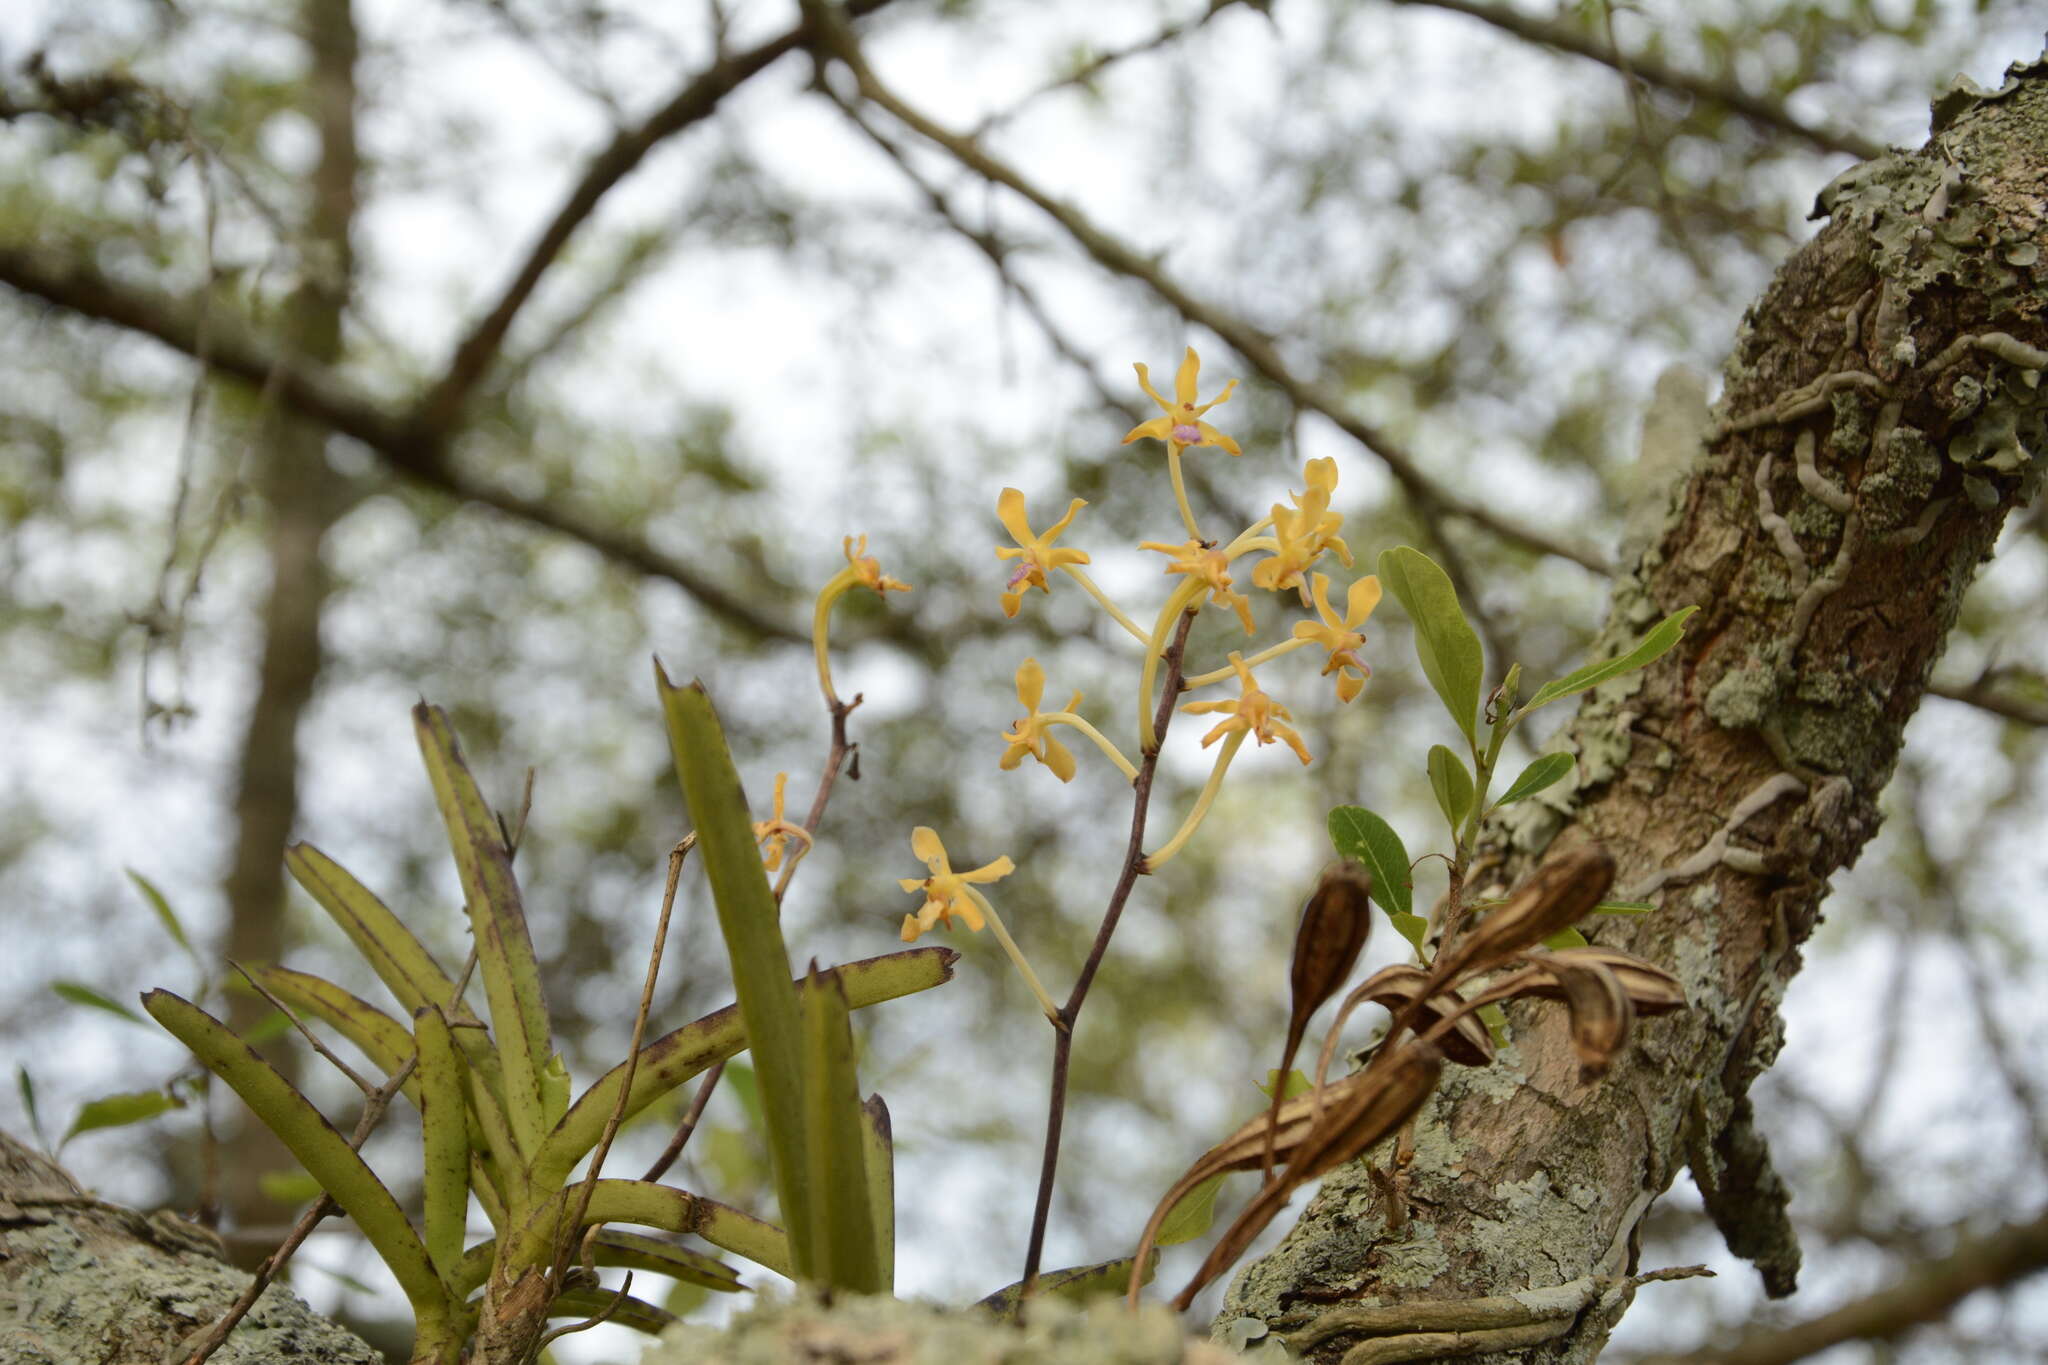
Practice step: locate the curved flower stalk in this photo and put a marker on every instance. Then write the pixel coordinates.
(862, 571)
(1032, 735)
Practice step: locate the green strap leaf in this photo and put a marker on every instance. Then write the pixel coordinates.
(676, 1058)
(637, 1251)
(511, 974)
(1444, 641)
(27, 1089)
(324, 1152)
(1565, 938)
(444, 1136)
(118, 1111)
(1624, 908)
(1076, 1285)
(879, 1150)
(750, 922)
(78, 993)
(1545, 771)
(649, 1205)
(842, 1233)
(1452, 783)
(1646, 651)
(1358, 833)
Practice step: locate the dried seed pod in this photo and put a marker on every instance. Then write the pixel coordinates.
(1651, 989)
(1334, 926)
(1466, 1042)
(1601, 1013)
(1556, 896)
(1392, 1088)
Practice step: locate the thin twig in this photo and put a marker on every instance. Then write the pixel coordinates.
(355, 1077)
(688, 1125)
(1134, 866)
(566, 1236)
(1763, 112)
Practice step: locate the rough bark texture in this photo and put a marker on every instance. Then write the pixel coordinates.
(304, 498)
(1880, 418)
(83, 1280)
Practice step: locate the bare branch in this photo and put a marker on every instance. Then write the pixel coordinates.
(1925, 1293)
(1430, 499)
(1986, 696)
(406, 444)
(694, 102)
(1763, 112)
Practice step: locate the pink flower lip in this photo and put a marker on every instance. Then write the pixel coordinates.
(1023, 572)
(1187, 434)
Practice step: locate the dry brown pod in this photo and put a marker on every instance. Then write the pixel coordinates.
(1600, 1010)
(1334, 926)
(1555, 896)
(1651, 989)
(1396, 988)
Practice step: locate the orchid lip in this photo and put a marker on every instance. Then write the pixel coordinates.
(1022, 573)
(1187, 435)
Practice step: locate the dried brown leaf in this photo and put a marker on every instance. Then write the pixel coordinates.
(1556, 896)
(1650, 988)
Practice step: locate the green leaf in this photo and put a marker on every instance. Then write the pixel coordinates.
(118, 1111)
(1496, 1021)
(1452, 783)
(324, 1152)
(1077, 1285)
(750, 922)
(1538, 775)
(292, 1187)
(165, 915)
(1565, 938)
(1297, 1084)
(1444, 641)
(1358, 833)
(632, 1201)
(1414, 928)
(1646, 651)
(676, 1058)
(444, 1136)
(27, 1087)
(505, 959)
(1192, 1215)
(80, 994)
(842, 1252)
(637, 1251)
(1624, 908)
(878, 1144)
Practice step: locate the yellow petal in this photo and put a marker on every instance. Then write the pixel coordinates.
(911, 928)
(1013, 755)
(1060, 759)
(911, 883)
(989, 872)
(1030, 684)
(1190, 373)
(1321, 474)
(1365, 595)
(1349, 686)
(1159, 428)
(1011, 602)
(924, 842)
(1052, 531)
(1211, 436)
(1145, 383)
(969, 912)
(1010, 512)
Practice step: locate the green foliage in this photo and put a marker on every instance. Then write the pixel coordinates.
(118, 1111)
(1539, 774)
(1444, 641)
(1452, 784)
(1642, 654)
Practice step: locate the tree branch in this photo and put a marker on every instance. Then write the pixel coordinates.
(405, 443)
(1923, 1294)
(1765, 113)
(1431, 500)
(694, 102)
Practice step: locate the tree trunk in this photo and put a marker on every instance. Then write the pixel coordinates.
(85, 1280)
(1879, 420)
(304, 498)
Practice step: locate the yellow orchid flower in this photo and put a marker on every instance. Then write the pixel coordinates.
(1302, 533)
(867, 571)
(1340, 636)
(1036, 552)
(946, 892)
(1203, 563)
(1182, 426)
(1253, 712)
(775, 833)
(1033, 734)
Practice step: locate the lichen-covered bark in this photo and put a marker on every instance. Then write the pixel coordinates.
(1880, 417)
(85, 1280)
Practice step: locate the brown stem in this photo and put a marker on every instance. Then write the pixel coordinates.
(1134, 864)
(687, 1126)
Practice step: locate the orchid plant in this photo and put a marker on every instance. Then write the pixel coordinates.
(501, 1130)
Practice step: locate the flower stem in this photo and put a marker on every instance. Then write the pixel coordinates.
(1156, 860)
(1187, 595)
(1116, 612)
(1116, 756)
(1270, 652)
(995, 923)
(821, 621)
(1249, 540)
(1180, 489)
